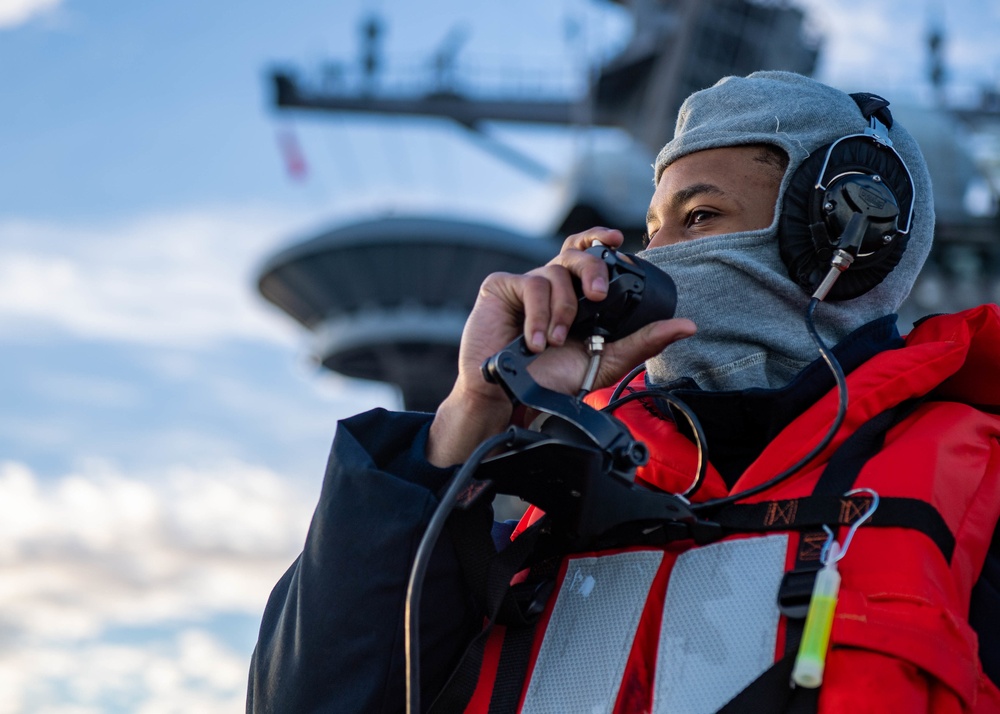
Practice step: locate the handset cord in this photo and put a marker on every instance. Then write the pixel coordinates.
(699, 435)
(411, 625)
(838, 375)
(696, 429)
(625, 381)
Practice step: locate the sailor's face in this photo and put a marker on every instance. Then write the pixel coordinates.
(711, 192)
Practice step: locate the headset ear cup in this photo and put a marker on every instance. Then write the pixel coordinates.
(805, 240)
(806, 256)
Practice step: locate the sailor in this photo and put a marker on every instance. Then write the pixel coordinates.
(790, 215)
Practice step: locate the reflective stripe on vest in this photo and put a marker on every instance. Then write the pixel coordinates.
(590, 633)
(718, 630)
(720, 623)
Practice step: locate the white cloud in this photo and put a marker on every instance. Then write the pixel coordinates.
(185, 543)
(191, 671)
(178, 279)
(18, 12)
(97, 551)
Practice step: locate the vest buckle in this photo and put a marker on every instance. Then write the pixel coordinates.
(795, 591)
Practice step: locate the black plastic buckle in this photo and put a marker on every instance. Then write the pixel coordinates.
(796, 591)
(705, 532)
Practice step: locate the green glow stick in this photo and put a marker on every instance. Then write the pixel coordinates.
(811, 658)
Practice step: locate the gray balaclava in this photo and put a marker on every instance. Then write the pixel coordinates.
(750, 314)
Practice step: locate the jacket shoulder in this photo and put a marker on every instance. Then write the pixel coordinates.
(974, 335)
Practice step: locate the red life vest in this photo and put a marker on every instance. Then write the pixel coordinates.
(683, 628)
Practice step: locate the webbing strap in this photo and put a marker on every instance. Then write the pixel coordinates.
(517, 606)
(489, 576)
(512, 669)
(814, 511)
(839, 476)
(770, 693)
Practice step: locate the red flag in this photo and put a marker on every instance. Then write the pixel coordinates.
(295, 161)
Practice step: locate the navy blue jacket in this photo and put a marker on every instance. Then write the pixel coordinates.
(331, 637)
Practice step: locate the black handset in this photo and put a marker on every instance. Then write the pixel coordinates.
(638, 293)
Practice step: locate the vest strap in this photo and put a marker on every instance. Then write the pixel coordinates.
(489, 574)
(512, 669)
(795, 593)
(811, 512)
(771, 693)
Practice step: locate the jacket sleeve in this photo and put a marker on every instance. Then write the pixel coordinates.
(331, 636)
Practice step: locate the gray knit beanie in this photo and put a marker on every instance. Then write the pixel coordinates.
(735, 286)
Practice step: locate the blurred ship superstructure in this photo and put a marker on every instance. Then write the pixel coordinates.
(963, 152)
(386, 299)
(355, 286)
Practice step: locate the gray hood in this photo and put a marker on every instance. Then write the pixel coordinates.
(750, 314)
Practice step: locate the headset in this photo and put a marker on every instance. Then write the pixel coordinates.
(850, 204)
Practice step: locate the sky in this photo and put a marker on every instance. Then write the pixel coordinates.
(164, 430)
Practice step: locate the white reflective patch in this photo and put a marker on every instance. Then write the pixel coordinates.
(589, 636)
(720, 623)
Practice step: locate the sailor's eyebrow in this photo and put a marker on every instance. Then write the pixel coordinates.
(689, 192)
(686, 194)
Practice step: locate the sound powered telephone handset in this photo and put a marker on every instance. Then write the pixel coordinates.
(578, 463)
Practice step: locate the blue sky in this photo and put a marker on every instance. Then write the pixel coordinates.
(163, 432)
